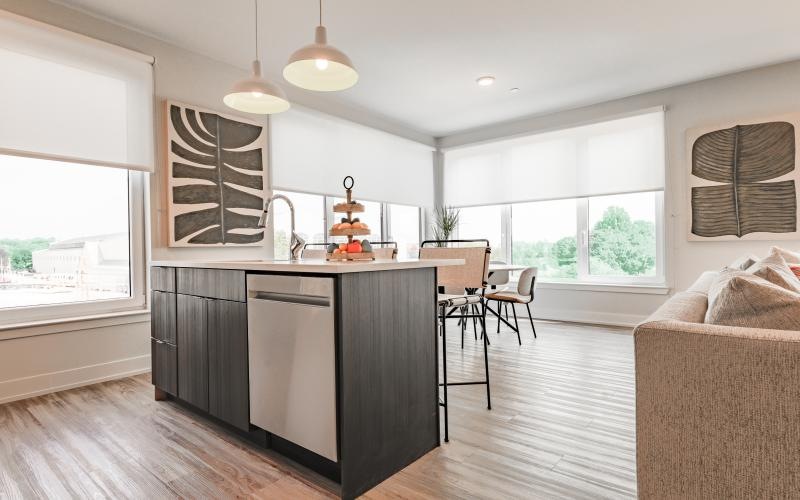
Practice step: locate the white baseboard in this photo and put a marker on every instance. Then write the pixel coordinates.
(576, 316)
(46, 383)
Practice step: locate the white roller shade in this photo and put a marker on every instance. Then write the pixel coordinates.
(68, 97)
(312, 152)
(612, 157)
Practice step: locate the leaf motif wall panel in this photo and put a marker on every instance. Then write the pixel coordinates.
(215, 177)
(743, 180)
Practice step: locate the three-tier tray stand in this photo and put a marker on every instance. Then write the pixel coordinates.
(349, 207)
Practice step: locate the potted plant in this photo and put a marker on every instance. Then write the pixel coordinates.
(445, 221)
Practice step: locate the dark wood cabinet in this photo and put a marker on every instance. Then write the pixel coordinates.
(163, 317)
(212, 283)
(192, 328)
(208, 338)
(162, 279)
(228, 388)
(165, 366)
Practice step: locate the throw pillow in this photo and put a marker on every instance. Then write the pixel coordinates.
(774, 269)
(741, 299)
(789, 256)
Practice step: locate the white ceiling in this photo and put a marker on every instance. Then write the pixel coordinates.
(418, 59)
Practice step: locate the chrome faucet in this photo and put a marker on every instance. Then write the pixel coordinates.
(296, 243)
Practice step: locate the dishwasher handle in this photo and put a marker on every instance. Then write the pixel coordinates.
(290, 298)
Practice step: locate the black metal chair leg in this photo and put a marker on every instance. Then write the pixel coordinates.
(474, 322)
(514, 309)
(486, 357)
(463, 323)
(499, 311)
(531, 317)
(506, 305)
(444, 372)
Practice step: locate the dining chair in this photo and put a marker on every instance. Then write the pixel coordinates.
(499, 279)
(471, 278)
(523, 295)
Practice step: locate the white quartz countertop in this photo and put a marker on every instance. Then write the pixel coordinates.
(311, 265)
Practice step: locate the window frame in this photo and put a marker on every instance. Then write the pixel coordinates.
(582, 237)
(137, 301)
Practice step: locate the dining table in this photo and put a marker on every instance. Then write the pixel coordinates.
(497, 267)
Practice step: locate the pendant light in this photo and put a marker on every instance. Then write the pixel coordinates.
(320, 66)
(256, 94)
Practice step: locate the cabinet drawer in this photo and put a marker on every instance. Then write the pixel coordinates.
(162, 279)
(212, 283)
(162, 316)
(165, 366)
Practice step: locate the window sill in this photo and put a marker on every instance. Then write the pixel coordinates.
(63, 325)
(648, 289)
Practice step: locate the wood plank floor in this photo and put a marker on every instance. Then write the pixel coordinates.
(562, 426)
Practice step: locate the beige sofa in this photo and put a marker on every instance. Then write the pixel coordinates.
(717, 407)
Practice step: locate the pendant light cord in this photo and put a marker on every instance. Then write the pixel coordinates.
(256, 4)
(320, 12)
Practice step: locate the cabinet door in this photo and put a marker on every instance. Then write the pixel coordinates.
(165, 366)
(163, 317)
(192, 351)
(228, 392)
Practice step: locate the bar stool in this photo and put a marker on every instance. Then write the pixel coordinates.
(470, 277)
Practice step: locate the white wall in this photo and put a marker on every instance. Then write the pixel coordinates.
(752, 94)
(41, 359)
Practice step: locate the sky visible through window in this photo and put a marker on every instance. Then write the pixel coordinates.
(63, 232)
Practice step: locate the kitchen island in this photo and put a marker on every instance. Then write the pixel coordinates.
(332, 364)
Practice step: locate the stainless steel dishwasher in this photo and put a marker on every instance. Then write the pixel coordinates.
(292, 359)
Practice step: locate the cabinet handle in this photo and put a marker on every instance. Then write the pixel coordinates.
(159, 341)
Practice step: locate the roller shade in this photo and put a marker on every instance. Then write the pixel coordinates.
(312, 152)
(611, 157)
(68, 97)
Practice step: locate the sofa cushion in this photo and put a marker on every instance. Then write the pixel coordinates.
(789, 256)
(683, 306)
(704, 282)
(774, 269)
(739, 298)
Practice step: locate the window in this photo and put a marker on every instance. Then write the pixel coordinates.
(404, 228)
(544, 235)
(314, 216)
(552, 199)
(72, 163)
(623, 236)
(309, 213)
(484, 223)
(67, 238)
(602, 239)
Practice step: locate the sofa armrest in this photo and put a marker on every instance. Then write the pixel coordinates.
(717, 411)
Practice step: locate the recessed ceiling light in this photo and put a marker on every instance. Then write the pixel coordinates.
(514, 90)
(485, 81)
